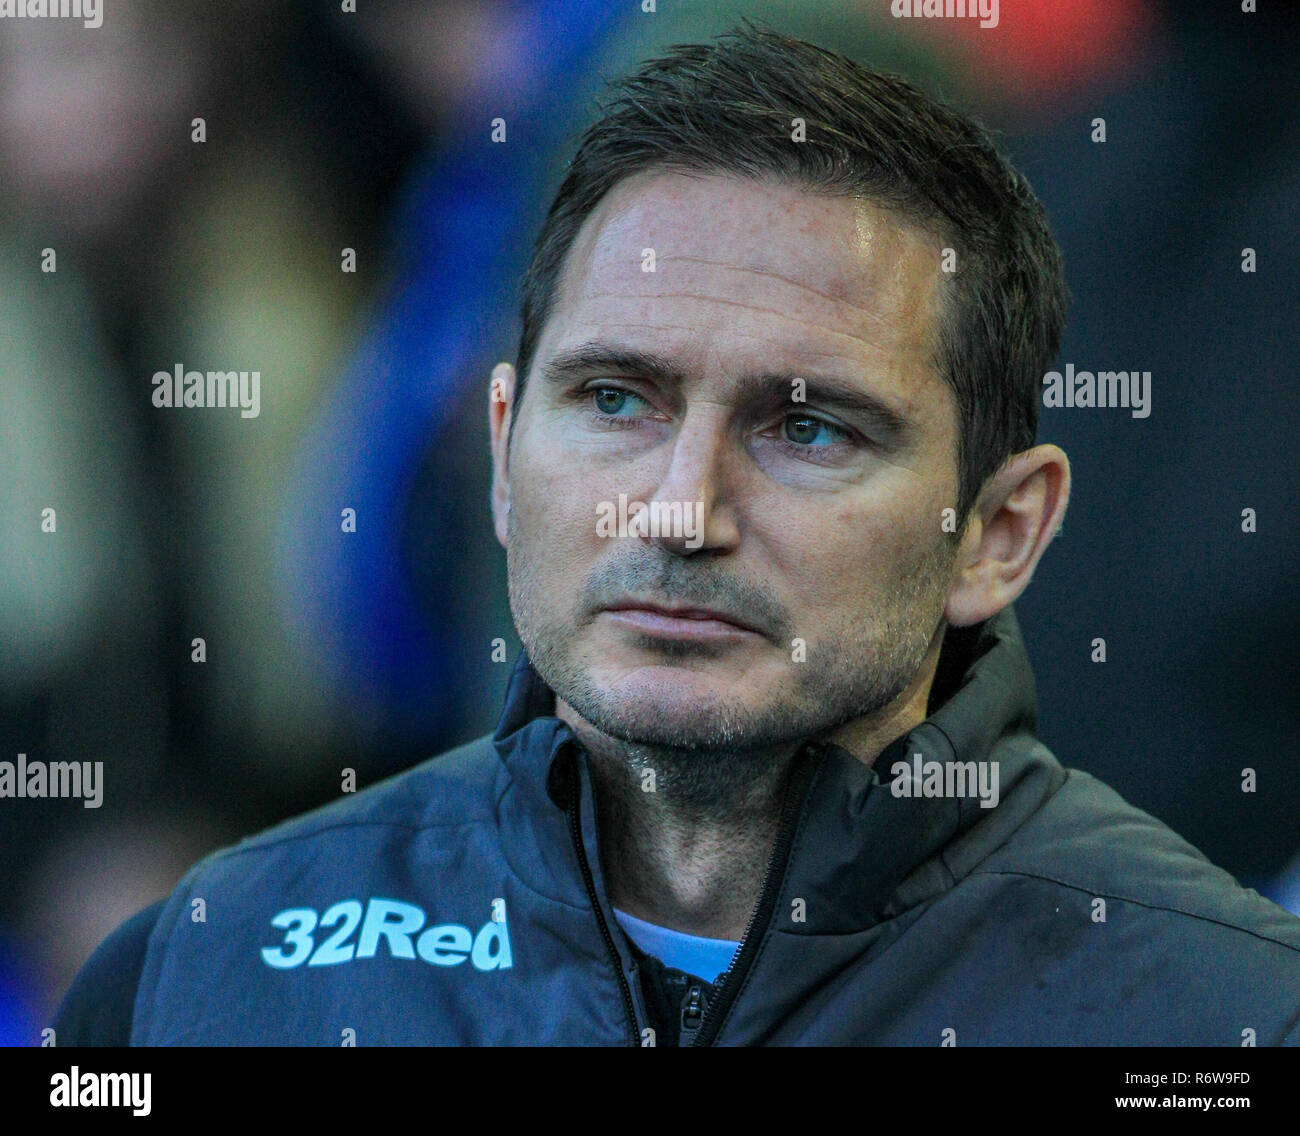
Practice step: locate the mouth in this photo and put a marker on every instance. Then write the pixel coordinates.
(678, 622)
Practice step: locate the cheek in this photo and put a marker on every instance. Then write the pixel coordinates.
(850, 561)
(554, 508)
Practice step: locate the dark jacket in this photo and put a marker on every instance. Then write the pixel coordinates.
(462, 903)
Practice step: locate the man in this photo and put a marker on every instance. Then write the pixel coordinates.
(766, 479)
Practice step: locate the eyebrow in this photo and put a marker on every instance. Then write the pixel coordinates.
(825, 390)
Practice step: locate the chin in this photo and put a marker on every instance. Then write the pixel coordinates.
(674, 684)
(662, 697)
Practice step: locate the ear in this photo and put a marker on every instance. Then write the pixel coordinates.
(1017, 514)
(501, 397)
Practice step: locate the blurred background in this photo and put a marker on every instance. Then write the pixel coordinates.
(326, 130)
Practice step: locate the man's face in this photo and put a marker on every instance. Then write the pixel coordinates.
(817, 503)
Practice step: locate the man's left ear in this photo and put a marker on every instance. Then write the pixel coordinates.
(1017, 514)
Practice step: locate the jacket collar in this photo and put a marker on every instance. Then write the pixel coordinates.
(864, 850)
(869, 849)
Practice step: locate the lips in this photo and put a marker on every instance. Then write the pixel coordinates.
(697, 614)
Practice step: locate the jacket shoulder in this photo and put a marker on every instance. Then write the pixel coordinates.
(453, 789)
(1086, 837)
(97, 1009)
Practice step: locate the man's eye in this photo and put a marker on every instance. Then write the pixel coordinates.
(613, 401)
(804, 431)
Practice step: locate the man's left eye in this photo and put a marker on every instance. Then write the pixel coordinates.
(612, 400)
(804, 431)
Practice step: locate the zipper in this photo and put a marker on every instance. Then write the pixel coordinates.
(728, 984)
(575, 828)
(693, 1008)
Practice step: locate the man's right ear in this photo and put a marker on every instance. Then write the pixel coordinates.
(501, 397)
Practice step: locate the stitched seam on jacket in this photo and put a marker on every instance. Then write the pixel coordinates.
(1135, 902)
(256, 845)
(224, 853)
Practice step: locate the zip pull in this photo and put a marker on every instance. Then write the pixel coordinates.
(693, 1007)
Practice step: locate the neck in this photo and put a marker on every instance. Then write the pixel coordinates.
(686, 836)
(680, 846)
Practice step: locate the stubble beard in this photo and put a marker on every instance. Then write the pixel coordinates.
(724, 758)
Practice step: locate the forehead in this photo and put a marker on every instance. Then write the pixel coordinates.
(751, 268)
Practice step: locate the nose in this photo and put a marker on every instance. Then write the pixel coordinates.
(694, 494)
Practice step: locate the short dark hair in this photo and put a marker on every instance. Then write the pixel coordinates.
(725, 107)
